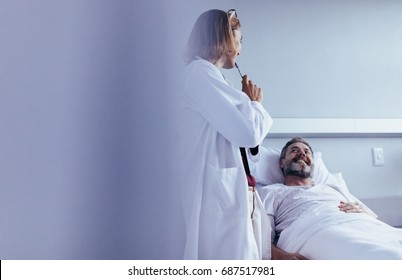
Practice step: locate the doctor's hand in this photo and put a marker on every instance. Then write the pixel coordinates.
(252, 91)
(350, 207)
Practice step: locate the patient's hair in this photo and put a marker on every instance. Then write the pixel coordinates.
(292, 141)
(212, 36)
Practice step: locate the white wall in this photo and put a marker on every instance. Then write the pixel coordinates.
(324, 58)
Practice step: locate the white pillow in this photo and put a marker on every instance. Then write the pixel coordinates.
(266, 170)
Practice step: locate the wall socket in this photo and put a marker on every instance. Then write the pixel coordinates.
(378, 156)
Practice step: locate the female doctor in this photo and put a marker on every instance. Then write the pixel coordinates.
(217, 119)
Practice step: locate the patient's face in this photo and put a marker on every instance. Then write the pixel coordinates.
(298, 161)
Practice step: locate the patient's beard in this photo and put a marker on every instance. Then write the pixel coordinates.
(298, 169)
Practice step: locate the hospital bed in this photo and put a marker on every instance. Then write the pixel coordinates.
(318, 235)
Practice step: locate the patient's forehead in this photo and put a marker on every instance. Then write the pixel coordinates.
(299, 145)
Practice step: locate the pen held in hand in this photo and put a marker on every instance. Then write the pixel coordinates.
(238, 69)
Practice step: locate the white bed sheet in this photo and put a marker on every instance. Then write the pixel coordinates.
(319, 234)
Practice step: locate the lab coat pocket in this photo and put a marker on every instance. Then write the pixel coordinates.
(225, 190)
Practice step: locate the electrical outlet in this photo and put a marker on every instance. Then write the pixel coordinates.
(378, 156)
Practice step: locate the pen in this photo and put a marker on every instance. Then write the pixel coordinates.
(238, 69)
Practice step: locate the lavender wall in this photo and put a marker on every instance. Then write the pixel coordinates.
(85, 131)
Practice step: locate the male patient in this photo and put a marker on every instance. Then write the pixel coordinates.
(287, 202)
(296, 162)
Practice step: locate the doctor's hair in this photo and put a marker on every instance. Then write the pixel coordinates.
(212, 36)
(292, 141)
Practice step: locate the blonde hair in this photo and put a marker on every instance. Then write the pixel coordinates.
(212, 36)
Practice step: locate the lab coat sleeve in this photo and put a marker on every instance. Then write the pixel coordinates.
(243, 122)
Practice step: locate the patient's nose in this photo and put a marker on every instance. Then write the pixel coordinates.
(302, 153)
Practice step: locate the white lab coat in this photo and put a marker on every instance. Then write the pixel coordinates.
(216, 119)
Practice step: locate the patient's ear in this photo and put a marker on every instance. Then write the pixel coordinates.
(281, 165)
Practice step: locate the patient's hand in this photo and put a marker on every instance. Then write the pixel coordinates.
(350, 207)
(279, 254)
